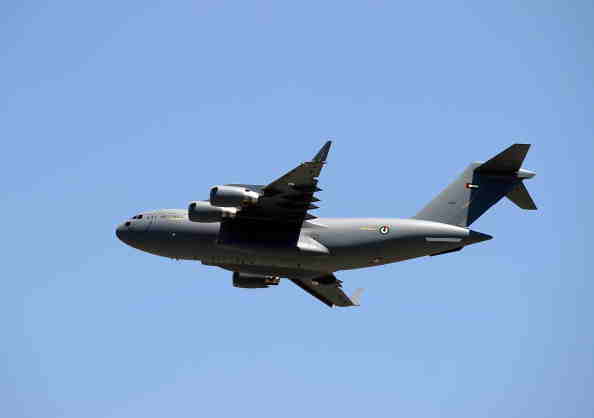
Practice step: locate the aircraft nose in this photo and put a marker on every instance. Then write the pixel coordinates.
(123, 232)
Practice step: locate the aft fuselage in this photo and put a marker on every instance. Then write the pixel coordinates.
(325, 244)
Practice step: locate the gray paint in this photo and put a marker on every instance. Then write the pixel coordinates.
(480, 186)
(323, 245)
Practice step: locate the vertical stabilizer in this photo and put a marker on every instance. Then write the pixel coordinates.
(480, 186)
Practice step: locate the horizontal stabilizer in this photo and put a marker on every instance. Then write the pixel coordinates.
(506, 161)
(521, 197)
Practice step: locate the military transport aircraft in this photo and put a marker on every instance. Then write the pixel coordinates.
(263, 233)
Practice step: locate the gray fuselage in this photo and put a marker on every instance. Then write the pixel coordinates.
(325, 244)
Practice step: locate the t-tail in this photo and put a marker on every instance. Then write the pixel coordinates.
(480, 186)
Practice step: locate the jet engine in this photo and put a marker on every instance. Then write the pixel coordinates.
(253, 281)
(232, 196)
(202, 211)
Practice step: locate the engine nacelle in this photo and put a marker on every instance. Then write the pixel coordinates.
(232, 196)
(253, 281)
(202, 211)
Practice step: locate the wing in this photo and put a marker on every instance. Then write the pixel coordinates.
(328, 289)
(282, 207)
(290, 197)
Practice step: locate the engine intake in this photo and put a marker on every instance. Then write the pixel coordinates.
(253, 281)
(202, 211)
(232, 196)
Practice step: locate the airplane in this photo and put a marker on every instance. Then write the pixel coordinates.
(262, 233)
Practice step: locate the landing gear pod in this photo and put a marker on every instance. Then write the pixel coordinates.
(253, 281)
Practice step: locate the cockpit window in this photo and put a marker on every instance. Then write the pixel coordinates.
(137, 217)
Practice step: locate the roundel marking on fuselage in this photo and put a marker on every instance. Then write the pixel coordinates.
(384, 229)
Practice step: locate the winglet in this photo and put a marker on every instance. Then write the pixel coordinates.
(322, 153)
(356, 298)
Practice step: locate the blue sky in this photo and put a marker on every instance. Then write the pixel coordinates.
(111, 108)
